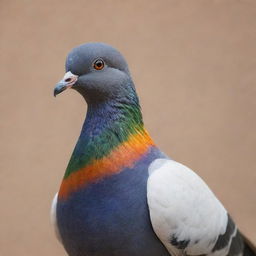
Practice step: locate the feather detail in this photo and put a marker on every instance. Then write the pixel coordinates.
(124, 155)
(53, 216)
(184, 212)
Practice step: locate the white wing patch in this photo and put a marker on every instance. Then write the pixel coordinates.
(53, 216)
(185, 214)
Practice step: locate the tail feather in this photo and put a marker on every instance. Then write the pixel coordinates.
(249, 247)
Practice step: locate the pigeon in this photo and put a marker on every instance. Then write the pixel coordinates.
(120, 194)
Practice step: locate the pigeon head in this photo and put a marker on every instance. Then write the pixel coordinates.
(98, 72)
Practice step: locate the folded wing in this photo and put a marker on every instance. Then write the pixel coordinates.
(186, 215)
(53, 216)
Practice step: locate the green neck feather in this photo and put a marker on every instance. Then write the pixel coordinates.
(106, 126)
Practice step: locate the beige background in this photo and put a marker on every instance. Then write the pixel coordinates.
(194, 66)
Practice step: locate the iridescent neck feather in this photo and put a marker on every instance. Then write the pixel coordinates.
(112, 138)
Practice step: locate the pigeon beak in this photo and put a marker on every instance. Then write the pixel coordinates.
(68, 81)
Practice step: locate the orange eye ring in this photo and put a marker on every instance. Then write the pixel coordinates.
(98, 64)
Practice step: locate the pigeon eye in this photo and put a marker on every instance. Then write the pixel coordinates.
(98, 64)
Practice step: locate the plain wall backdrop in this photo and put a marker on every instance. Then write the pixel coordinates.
(194, 65)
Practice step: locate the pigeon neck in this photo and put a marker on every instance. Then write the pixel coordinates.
(112, 138)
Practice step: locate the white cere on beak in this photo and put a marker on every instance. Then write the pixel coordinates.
(70, 78)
